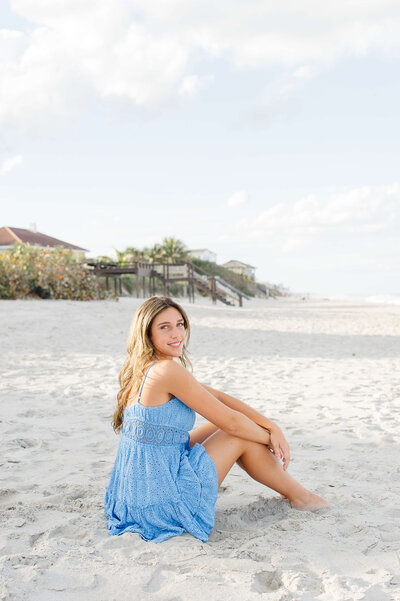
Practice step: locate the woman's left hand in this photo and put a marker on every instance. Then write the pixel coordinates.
(279, 446)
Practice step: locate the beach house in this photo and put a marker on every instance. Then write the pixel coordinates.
(248, 271)
(203, 254)
(12, 235)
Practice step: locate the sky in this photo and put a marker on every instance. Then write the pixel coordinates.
(267, 132)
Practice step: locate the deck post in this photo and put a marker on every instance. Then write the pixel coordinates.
(191, 283)
(213, 290)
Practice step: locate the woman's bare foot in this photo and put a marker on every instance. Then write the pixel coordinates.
(309, 502)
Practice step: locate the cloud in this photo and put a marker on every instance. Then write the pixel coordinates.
(140, 66)
(146, 50)
(292, 244)
(303, 72)
(277, 97)
(77, 49)
(256, 34)
(10, 163)
(295, 225)
(189, 86)
(192, 84)
(237, 198)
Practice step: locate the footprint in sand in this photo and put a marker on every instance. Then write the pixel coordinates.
(146, 559)
(26, 443)
(5, 493)
(157, 579)
(266, 581)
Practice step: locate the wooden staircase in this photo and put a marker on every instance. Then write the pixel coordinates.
(196, 278)
(208, 288)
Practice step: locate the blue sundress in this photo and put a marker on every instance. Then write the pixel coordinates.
(160, 486)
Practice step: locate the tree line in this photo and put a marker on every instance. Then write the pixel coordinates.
(171, 250)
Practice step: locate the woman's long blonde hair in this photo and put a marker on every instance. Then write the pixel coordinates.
(141, 350)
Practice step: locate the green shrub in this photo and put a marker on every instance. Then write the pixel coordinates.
(27, 270)
(238, 281)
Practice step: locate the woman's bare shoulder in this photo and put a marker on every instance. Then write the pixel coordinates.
(169, 368)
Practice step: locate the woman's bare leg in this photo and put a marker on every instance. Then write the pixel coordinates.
(240, 464)
(260, 464)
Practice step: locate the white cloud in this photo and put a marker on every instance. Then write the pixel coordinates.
(77, 48)
(145, 50)
(189, 86)
(141, 66)
(10, 163)
(361, 211)
(237, 198)
(358, 206)
(293, 244)
(192, 84)
(303, 72)
(256, 34)
(277, 97)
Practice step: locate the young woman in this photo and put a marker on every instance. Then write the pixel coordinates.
(165, 479)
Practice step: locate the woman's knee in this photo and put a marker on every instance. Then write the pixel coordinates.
(230, 445)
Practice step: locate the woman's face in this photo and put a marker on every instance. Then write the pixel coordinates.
(168, 333)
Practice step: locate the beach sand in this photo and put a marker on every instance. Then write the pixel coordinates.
(327, 372)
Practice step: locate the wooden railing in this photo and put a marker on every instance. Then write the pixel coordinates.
(195, 277)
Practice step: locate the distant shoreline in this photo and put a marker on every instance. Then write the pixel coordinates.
(379, 299)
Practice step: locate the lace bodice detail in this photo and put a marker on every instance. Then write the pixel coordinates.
(145, 432)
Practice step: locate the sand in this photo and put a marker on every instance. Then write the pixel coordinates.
(327, 372)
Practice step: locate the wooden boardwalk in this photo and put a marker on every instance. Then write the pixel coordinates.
(189, 274)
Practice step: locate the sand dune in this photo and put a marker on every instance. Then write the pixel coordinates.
(327, 372)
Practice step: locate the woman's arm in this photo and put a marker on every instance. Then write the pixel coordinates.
(278, 443)
(237, 405)
(180, 383)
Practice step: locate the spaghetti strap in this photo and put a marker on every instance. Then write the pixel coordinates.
(144, 379)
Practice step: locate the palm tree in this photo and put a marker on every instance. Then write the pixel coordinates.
(104, 259)
(153, 254)
(173, 250)
(129, 255)
(120, 255)
(132, 254)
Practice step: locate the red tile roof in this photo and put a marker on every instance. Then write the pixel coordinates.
(11, 235)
